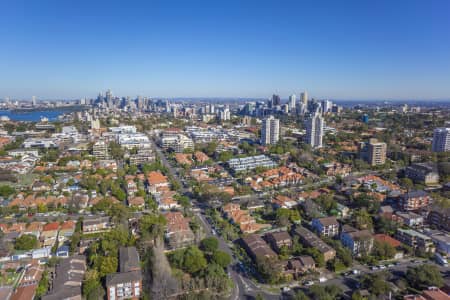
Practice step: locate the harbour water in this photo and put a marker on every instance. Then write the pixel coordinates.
(33, 115)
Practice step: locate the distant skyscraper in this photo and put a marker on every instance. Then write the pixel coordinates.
(109, 99)
(304, 98)
(292, 102)
(314, 130)
(225, 114)
(326, 106)
(270, 131)
(441, 140)
(33, 100)
(276, 100)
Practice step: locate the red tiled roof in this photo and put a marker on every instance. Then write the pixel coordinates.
(386, 239)
(51, 226)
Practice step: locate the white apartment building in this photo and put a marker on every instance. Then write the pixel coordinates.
(270, 131)
(441, 140)
(250, 163)
(133, 140)
(314, 131)
(177, 142)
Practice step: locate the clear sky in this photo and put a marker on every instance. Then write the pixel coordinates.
(348, 49)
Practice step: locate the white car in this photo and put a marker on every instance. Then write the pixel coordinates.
(309, 283)
(382, 267)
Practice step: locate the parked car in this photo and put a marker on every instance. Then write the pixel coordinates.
(308, 283)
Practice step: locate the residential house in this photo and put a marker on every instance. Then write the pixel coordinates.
(63, 251)
(328, 226)
(281, 201)
(183, 159)
(178, 233)
(279, 239)
(434, 293)
(49, 234)
(34, 228)
(131, 188)
(360, 242)
(311, 240)
(66, 230)
(256, 247)
(138, 202)
(298, 266)
(201, 157)
(337, 169)
(127, 283)
(414, 200)
(439, 217)
(155, 180)
(343, 211)
(26, 288)
(441, 240)
(384, 238)
(415, 240)
(423, 173)
(67, 279)
(97, 224)
(410, 219)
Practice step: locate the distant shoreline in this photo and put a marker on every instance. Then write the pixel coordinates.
(34, 109)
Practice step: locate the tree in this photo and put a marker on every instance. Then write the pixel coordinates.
(407, 183)
(423, 276)
(215, 277)
(329, 292)
(300, 295)
(26, 242)
(152, 226)
(269, 268)
(116, 151)
(108, 265)
(362, 219)
(376, 283)
(284, 216)
(209, 244)
(91, 282)
(193, 260)
(6, 191)
(383, 250)
(42, 286)
(221, 258)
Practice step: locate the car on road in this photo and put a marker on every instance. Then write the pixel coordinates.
(390, 265)
(374, 268)
(308, 283)
(382, 267)
(213, 232)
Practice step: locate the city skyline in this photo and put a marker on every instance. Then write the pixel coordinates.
(333, 50)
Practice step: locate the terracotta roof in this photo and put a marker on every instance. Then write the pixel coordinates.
(176, 222)
(434, 293)
(386, 239)
(68, 225)
(51, 226)
(156, 177)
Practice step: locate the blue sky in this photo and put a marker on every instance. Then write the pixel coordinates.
(350, 49)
